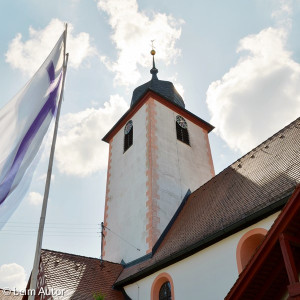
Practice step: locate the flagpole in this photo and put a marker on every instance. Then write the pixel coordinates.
(35, 270)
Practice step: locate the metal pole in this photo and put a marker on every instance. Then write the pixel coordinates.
(102, 237)
(37, 257)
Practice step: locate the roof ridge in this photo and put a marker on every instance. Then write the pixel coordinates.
(171, 222)
(163, 235)
(78, 255)
(255, 149)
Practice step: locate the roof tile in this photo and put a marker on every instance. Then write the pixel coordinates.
(80, 277)
(6, 294)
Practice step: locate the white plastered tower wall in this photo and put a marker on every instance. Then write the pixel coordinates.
(147, 183)
(180, 167)
(125, 207)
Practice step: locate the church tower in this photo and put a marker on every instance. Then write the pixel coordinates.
(158, 151)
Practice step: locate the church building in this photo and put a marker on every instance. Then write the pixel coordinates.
(172, 228)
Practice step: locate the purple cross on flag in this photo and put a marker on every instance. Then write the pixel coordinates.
(24, 122)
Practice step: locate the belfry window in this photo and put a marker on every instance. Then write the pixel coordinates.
(128, 135)
(165, 291)
(182, 130)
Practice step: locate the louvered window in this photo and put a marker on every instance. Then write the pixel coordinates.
(128, 135)
(182, 130)
(165, 291)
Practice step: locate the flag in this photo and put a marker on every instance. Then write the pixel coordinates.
(24, 121)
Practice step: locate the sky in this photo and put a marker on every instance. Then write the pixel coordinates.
(236, 64)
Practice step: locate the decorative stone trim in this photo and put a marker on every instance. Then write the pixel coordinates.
(158, 282)
(107, 195)
(152, 176)
(242, 251)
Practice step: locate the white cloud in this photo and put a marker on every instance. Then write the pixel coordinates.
(80, 150)
(259, 95)
(132, 34)
(178, 86)
(282, 14)
(35, 198)
(29, 55)
(12, 276)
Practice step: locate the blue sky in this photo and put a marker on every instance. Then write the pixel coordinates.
(236, 64)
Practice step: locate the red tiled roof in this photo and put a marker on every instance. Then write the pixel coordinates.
(80, 277)
(9, 295)
(251, 188)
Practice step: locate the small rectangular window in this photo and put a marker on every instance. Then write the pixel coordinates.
(182, 134)
(128, 135)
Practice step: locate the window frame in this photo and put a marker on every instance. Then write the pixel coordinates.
(166, 285)
(158, 282)
(182, 133)
(128, 136)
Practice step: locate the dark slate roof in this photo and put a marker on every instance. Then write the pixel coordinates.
(253, 187)
(163, 88)
(80, 277)
(9, 295)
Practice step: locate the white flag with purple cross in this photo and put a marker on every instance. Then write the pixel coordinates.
(24, 122)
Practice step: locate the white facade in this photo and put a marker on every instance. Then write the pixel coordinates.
(147, 183)
(125, 211)
(180, 167)
(208, 274)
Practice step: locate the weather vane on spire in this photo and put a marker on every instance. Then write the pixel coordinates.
(153, 71)
(152, 51)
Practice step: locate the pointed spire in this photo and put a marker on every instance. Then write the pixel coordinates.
(153, 71)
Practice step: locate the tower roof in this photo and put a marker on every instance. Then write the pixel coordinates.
(163, 88)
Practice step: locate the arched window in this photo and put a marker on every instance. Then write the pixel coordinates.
(182, 130)
(165, 291)
(128, 135)
(163, 288)
(247, 246)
